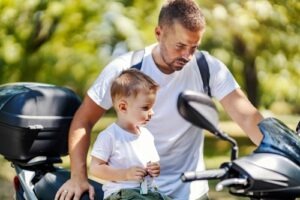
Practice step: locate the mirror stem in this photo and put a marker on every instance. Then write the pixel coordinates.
(234, 146)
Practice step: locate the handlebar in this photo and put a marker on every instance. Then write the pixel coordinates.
(203, 175)
(232, 181)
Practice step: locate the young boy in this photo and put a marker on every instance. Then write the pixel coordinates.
(124, 153)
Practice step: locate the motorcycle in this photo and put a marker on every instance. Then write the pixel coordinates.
(271, 171)
(34, 123)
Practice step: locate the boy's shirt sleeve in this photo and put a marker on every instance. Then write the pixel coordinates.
(103, 146)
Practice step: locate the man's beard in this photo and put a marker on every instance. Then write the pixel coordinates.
(172, 65)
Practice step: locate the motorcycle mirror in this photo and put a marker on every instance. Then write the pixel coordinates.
(201, 111)
(198, 109)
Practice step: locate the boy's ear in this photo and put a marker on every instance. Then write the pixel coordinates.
(157, 32)
(122, 106)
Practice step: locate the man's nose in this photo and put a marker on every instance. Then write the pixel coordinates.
(187, 54)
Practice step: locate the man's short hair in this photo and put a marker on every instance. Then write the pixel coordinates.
(186, 12)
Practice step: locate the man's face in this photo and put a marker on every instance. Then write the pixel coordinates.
(176, 46)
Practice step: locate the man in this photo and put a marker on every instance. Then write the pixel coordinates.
(172, 64)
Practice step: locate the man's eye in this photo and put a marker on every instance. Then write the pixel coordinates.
(179, 47)
(193, 50)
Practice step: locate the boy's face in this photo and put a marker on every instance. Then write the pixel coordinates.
(139, 109)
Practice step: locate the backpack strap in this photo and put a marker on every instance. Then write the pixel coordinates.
(137, 59)
(204, 71)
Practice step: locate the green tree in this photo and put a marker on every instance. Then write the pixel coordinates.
(258, 41)
(48, 41)
(68, 42)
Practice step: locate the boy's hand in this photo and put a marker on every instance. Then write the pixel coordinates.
(135, 173)
(153, 168)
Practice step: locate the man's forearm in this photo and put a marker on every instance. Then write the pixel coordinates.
(79, 135)
(251, 129)
(244, 114)
(78, 148)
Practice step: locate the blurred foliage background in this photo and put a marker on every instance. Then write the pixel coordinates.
(68, 42)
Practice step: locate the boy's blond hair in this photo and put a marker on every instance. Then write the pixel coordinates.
(130, 82)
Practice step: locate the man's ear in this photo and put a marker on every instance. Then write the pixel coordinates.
(122, 106)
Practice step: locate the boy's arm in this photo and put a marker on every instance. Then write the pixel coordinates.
(100, 169)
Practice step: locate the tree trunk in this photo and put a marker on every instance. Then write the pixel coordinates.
(251, 81)
(249, 71)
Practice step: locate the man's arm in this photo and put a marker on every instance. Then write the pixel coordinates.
(240, 109)
(79, 140)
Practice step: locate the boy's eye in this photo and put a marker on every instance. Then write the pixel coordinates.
(145, 108)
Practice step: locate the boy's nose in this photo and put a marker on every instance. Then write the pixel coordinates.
(151, 112)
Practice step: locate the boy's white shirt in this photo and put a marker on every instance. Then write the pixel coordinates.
(121, 149)
(179, 144)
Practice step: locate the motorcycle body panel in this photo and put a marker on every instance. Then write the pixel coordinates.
(268, 174)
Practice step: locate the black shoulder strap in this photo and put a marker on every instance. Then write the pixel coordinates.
(137, 59)
(204, 71)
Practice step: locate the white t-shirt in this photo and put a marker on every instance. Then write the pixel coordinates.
(121, 149)
(178, 142)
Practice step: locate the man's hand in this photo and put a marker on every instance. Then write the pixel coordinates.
(73, 189)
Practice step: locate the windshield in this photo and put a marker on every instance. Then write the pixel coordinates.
(279, 139)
